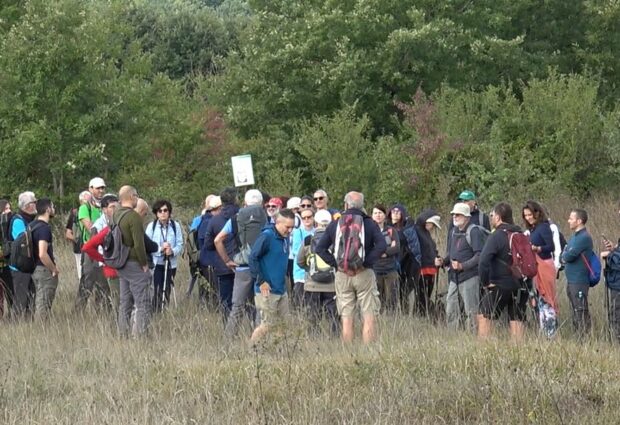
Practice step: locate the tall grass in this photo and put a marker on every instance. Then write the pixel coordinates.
(76, 370)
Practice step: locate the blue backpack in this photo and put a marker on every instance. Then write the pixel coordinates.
(593, 264)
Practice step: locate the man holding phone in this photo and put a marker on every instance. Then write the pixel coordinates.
(611, 256)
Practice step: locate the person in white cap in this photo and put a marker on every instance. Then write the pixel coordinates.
(246, 227)
(73, 232)
(93, 279)
(466, 241)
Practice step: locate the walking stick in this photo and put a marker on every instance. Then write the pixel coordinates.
(163, 295)
(609, 329)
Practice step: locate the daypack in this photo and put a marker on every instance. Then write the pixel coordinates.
(192, 251)
(249, 223)
(593, 264)
(318, 270)
(115, 252)
(524, 263)
(76, 228)
(349, 245)
(612, 270)
(5, 240)
(171, 223)
(484, 233)
(22, 250)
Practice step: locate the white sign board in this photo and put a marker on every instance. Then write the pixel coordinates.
(242, 170)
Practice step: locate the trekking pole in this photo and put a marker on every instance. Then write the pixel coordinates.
(163, 294)
(607, 309)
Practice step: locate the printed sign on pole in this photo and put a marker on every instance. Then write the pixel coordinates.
(242, 170)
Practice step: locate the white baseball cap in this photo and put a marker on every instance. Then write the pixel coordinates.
(323, 217)
(96, 182)
(293, 202)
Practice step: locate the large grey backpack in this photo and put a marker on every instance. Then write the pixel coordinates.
(249, 223)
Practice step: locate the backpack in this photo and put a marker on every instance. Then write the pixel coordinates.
(593, 264)
(5, 240)
(483, 232)
(524, 265)
(612, 270)
(192, 251)
(22, 250)
(349, 245)
(76, 228)
(249, 222)
(115, 252)
(319, 270)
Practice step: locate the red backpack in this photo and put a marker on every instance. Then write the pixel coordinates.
(524, 264)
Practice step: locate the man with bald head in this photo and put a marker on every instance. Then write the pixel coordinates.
(134, 276)
(357, 243)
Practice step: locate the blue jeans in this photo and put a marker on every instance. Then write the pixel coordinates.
(225, 284)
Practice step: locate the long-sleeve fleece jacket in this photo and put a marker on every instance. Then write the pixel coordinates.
(374, 242)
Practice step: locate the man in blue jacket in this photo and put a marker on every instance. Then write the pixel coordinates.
(578, 247)
(356, 284)
(268, 265)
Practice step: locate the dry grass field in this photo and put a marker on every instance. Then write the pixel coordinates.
(76, 370)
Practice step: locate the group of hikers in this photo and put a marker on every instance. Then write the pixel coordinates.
(330, 265)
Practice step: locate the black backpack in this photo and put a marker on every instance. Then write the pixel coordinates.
(5, 235)
(22, 250)
(115, 252)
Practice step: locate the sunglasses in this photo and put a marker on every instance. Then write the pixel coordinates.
(305, 206)
(162, 210)
(100, 188)
(272, 206)
(319, 198)
(307, 217)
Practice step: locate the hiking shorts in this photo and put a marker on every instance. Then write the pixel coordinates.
(272, 308)
(495, 300)
(359, 289)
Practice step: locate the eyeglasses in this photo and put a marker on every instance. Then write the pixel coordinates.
(162, 210)
(319, 198)
(307, 217)
(272, 206)
(305, 206)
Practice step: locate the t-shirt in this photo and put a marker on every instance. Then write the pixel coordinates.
(43, 232)
(90, 212)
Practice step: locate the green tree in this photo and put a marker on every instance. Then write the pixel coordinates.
(79, 98)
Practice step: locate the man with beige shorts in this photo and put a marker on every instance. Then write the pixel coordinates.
(357, 243)
(268, 264)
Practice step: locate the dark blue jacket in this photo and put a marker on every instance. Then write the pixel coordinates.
(269, 260)
(575, 269)
(374, 242)
(202, 231)
(542, 236)
(216, 224)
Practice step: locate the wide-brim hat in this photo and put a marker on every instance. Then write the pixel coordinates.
(462, 209)
(435, 220)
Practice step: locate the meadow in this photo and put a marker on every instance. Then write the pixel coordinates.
(76, 370)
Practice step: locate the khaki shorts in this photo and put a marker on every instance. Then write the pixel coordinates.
(359, 289)
(272, 308)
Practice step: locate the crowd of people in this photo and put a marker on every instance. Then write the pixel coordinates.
(331, 265)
